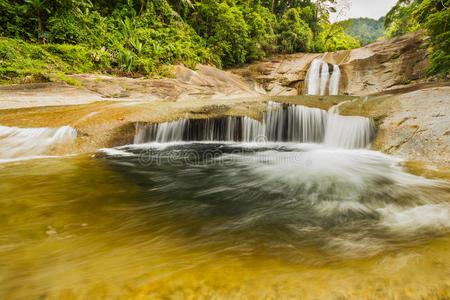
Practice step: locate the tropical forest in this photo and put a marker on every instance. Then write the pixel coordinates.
(224, 149)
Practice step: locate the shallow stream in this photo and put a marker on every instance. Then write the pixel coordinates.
(222, 220)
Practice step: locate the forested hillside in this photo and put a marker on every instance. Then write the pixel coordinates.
(146, 36)
(365, 30)
(433, 17)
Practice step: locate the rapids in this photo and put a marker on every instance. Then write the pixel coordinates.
(21, 143)
(337, 200)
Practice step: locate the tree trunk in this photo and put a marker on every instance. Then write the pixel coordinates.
(40, 26)
(273, 6)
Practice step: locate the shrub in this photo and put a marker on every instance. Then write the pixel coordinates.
(126, 60)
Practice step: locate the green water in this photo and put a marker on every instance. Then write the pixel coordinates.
(110, 227)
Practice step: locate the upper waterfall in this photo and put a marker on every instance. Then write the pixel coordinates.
(318, 80)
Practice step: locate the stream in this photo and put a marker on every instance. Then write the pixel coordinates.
(292, 204)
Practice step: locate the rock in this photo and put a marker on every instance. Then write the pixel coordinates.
(416, 126)
(371, 69)
(279, 71)
(205, 83)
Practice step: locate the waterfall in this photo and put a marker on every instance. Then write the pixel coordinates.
(281, 123)
(296, 123)
(252, 130)
(348, 131)
(18, 142)
(171, 131)
(334, 81)
(313, 77)
(213, 129)
(324, 75)
(318, 78)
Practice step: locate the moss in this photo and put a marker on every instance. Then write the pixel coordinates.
(406, 81)
(396, 56)
(68, 80)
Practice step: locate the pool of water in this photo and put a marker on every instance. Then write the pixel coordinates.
(222, 220)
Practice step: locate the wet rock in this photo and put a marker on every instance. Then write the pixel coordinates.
(416, 126)
(205, 83)
(374, 68)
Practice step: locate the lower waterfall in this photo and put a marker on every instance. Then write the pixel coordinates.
(281, 123)
(351, 132)
(318, 80)
(19, 142)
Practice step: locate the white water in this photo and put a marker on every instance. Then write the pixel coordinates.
(313, 77)
(324, 76)
(30, 142)
(291, 123)
(351, 132)
(296, 123)
(318, 78)
(252, 130)
(347, 202)
(169, 131)
(334, 80)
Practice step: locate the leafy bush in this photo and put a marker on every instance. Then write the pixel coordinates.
(19, 59)
(430, 15)
(126, 60)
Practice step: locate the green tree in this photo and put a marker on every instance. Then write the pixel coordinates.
(261, 31)
(224, 28)
(38, 7)
(334, 37)
(294, 35)
(429, 15)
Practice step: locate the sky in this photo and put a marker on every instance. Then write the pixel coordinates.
(368, 8)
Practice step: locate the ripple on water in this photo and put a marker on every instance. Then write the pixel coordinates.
(222, 221)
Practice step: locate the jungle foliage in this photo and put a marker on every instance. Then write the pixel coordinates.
(143, 36)
(431, 16)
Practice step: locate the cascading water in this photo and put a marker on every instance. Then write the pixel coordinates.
(323, 188)
(324, 76)
(289, 123)
(334, 80)
(313, 78)
(222, 218)
(318, 78)
(295, 123)
(351, 132)
(19, 142)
